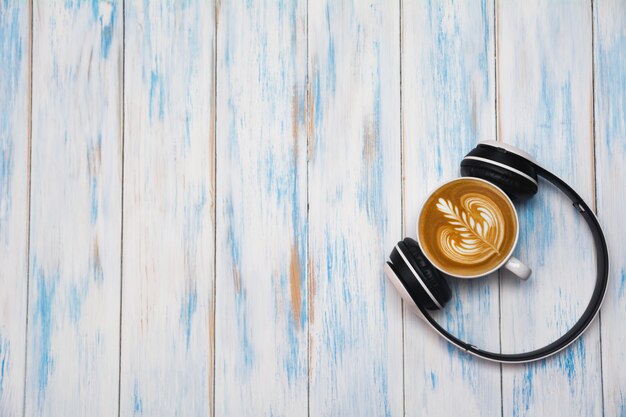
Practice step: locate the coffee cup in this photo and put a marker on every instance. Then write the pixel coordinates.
(468, 228)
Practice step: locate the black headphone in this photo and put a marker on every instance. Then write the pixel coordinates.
(423, 287)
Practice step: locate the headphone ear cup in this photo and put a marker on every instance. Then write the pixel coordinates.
(410, 283)
(401, 287)
(512, 173)
(431, 276)
(514, 185)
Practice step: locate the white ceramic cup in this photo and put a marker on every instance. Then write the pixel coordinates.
(509, 262)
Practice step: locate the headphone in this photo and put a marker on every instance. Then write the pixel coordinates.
(423, 287)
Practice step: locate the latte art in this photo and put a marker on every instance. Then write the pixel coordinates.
(467, 227)
(474, 232)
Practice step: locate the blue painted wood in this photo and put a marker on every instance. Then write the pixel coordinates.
(75, 218)
(14, 175)
(261, 243)
(311, 162)
(167, 295)
(448, 104)
(610, 145)
(355, 315)
(545, 99)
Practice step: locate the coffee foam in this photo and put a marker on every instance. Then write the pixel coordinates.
(467, 227)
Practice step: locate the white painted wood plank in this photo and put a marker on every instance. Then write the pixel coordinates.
(545, 107)
(14, 176)
(355, 208)
(168, 252)
(73, 317)
(261, 287)
(610, 128)
(447, 106)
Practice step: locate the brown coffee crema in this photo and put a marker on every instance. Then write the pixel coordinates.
(467, 227)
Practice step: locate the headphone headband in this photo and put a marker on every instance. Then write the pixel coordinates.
(602, 261)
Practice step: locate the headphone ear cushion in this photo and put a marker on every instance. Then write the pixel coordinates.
(410, 283)
(514, 185)
(435, 281)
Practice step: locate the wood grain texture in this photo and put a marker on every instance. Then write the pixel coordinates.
(354, 208)
(545, 99)
(448, 104)
(231, 176)
(168, 254)
(73, 317)
(261, 330)
(14, 177)
(610, 128)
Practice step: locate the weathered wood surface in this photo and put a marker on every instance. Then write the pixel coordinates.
(609, 21)
(448, 104)
(545, 105)
(261, 243)
(75, 218)
(168, 256)
(198, 222)
(355, 316)
(14, 158)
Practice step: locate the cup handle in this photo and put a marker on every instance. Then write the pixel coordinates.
(518, 268)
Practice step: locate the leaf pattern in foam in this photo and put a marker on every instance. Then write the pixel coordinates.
(472, 233)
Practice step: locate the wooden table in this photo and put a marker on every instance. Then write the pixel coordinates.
(197, 198)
